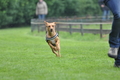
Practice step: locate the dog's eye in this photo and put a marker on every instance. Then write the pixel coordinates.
(52, 25)
(48, 26)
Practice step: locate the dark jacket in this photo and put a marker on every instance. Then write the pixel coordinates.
(101, 2)
(105, 1)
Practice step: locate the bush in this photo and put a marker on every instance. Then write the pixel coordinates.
(16, 12)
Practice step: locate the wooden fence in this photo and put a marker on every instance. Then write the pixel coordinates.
(39, 25)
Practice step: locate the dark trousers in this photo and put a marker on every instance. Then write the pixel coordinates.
(114, 36)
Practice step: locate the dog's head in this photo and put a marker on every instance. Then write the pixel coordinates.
(50, 27)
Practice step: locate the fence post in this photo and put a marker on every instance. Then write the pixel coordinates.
(70, 27)
(58, 28)
(81, 29)
(38, 28)
(32, 25)
(101, 32)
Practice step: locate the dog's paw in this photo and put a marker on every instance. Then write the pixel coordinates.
(58, 55)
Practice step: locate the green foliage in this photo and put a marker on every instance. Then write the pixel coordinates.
(56, 7)
(27, 56)
(16, 12)
(73, 7)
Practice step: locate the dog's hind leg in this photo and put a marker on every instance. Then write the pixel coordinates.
(55, 53)
(58, 50)
(59, 55)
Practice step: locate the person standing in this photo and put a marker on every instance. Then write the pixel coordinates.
(41, 9)
(105, 9)
(114, 36)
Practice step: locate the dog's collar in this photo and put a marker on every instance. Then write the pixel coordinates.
(52, 37)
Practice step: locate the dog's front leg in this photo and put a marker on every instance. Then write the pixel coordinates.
(58, 47)
(53, 49)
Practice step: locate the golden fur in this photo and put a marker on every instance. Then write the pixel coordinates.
(51, 34)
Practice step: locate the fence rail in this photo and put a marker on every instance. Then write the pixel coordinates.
(40, 27)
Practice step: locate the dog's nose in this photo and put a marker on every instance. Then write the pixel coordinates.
(51, 30)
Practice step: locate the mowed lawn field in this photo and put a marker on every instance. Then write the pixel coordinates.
(26, 56)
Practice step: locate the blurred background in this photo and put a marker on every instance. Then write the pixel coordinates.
(20, 12)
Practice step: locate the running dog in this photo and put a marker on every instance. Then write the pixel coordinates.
(52, 38)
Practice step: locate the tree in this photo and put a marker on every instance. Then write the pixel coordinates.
(17, 12)
(56, 7)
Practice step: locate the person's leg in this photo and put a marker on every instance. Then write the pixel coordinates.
(43, 17)
(114, 6)
(117, 60)
(104, 15)
(39, 17)
(114, 35)
(108, 14)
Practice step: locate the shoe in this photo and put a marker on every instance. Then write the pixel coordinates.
(113, 52)
(118, 66)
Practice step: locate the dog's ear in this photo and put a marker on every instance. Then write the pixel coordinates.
(45, 22)
(55, 22)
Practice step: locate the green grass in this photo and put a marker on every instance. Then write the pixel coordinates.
(26, 56)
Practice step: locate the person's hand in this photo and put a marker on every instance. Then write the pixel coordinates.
(102, 5)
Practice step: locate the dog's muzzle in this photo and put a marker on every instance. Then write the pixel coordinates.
(51, 30)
